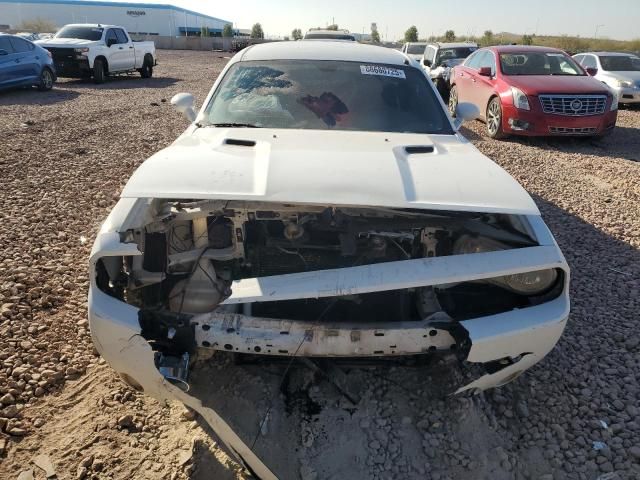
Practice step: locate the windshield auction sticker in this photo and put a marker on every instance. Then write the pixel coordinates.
(382, 71)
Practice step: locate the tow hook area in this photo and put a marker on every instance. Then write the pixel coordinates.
(174, 368)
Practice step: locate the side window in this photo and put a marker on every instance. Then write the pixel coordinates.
(489, 60)
(477, 60)
(122, 37)
(20, 45)
(579, 59)
(5, 44)
(589, 62)
(430, 54)
(111, 37)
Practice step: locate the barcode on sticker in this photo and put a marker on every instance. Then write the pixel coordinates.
(383, 71)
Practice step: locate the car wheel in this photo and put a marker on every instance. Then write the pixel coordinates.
(46, 80)
(494, 119)
(453, 101)
(99, 71)
(147, 68)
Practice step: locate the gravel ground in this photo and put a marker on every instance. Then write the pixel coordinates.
(64, 157)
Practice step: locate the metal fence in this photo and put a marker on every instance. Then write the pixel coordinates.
(199, 43)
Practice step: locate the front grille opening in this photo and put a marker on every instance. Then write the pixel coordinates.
(573, 105)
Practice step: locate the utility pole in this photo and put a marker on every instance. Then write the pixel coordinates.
(595, 35)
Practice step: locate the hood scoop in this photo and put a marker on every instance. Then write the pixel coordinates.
(239, 143)
(416, 149)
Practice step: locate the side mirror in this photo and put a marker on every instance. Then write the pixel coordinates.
(592, 71)
(484, 71)
(184, 104)
(4, 52)
(110, 42)
(465, 112)
(426, 63)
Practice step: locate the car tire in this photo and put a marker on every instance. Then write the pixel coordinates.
(453, 101)
(46, 80)
(494, 119)
(147, 67)
(99, 71)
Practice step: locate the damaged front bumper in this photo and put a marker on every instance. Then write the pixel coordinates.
(499, 346)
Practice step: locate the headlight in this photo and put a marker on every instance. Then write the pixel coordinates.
(530, 283)
(520, 100)
(624, 83)
(81, 51)
(614, 101)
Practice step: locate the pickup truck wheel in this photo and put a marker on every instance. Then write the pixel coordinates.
(46, 80)
(99, 71)
(494, 119)
(147, 68)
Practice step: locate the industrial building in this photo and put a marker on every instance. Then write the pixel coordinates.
(137, 18)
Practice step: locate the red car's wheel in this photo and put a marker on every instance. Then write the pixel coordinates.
(494, 119)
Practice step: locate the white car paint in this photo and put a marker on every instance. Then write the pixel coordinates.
(456, 176)
(626, 84)
(121, 57)
(330, 168)
(416, 56)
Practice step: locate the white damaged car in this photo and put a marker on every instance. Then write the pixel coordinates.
(322, 204)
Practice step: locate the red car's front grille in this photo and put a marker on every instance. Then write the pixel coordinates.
(573, 105)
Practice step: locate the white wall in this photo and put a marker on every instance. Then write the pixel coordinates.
(150, 20)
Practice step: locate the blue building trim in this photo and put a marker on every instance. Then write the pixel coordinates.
(102, 3)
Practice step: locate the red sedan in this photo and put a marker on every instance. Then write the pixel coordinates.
(534, 91)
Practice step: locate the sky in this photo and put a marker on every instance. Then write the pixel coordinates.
(617, 19)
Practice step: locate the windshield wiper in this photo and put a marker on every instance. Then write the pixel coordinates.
(233, 125)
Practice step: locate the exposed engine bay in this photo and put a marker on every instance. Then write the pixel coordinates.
(193, 252)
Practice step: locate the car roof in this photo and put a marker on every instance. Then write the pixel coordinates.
(323, 50)
(92, 25)
(523, 48)
(453, 44)
(609, 54)
(323, 31)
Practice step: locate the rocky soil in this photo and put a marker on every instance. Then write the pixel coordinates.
(64, 157)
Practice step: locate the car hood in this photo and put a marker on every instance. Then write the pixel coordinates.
(329, 168)
(66, 42)
(537, 84)
(624, 76)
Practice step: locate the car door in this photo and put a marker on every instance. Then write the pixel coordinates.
(483, 86)
(429, 57)
(115, 51)
(463, 76)
(29, 63)
(9, 67)
(129, 55)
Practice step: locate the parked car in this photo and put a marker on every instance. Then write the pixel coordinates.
(23, 64)
(439, 58)
(86, 50)
(32, 37)
(533, 91)
(620, 71)
(322, 204)
(319, 34)
(414, 49)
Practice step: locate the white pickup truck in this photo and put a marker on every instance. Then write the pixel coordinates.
(94, 50)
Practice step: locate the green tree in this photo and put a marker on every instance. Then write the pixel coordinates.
(296, 34)
(527, 39)
(38, 25)
(227, 30)
(375, 35)
(487, 38)
(256, 31)
(411, 35)
(204, 31)
(450, 36)
(333, 26)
